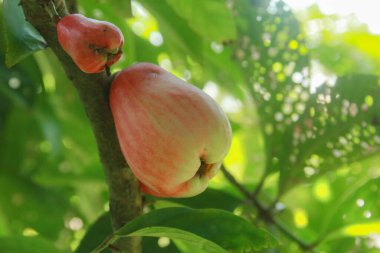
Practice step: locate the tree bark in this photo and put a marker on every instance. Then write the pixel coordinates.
(93, 90)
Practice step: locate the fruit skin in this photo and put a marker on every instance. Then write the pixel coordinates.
(166, 128)
(92, 44)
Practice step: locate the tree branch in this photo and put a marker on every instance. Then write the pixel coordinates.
(72, 6)
(93, 90)
(265, 213)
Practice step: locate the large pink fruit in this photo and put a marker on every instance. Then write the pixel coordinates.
(172, 134)
(92, 44)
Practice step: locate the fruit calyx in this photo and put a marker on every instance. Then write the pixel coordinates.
(204, 169)
(110, 55)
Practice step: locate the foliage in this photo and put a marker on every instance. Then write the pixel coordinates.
(304, 162)
(187, 225)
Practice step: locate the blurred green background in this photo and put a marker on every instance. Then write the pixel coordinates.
(300, 87)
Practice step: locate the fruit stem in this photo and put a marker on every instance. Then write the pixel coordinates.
(108, 70)
(52, 11)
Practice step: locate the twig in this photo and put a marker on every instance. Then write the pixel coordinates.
(265, 213)
(260, 185)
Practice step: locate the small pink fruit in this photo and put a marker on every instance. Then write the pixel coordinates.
(172, 134)
(92, 44)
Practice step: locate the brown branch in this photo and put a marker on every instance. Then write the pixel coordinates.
(72, 6)
(264, 213)
(93, 89)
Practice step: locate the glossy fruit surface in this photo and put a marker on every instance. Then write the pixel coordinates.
(172, 134)
(92, 44)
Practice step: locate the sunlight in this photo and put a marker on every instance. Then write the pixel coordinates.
(29, 232)
(163, 242)
(143, 24)
(364, 10)
(362, 229)
(322, 190)
(301, 219)
(236, 160)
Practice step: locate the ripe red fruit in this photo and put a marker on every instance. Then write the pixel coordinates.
(92, 44)
(172, 134)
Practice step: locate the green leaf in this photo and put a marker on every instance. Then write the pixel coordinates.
(197, 14)
(22, 38)
(361, 193)
(269, 50)
(152, 244)
(4, 227)
(304, 135)
(362, 229)
(340, 125)
(18, 244)
(21, 202)
(19, 86)
(181, 235)
(211, 198)
(188, 49)
(355, 48)
(124, 8)
(176, 31)
(212, 230)
(100, 229)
